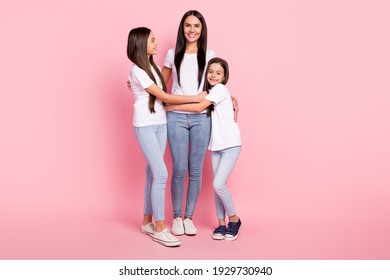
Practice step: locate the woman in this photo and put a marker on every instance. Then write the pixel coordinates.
(188, 133)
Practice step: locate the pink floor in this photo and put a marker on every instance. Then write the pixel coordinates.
(276, 237)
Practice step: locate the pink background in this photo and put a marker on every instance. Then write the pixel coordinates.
(312, 80)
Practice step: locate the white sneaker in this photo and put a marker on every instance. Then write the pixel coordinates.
(148, 228)
(166, 238)
(189, 228)
(177, 226)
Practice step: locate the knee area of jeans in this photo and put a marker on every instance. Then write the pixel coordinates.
(160, 180)
(161, 175)
(196, 172)
(179, 172)
(219, 188)
(196, 177)
(219, 184)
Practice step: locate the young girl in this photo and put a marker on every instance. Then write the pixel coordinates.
(149, 121)
(225, 143)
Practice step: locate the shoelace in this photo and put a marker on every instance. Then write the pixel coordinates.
(220, 229)
(232, 227)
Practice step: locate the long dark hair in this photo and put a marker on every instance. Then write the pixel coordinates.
(207, 87)
(181, 45)
(137, 44)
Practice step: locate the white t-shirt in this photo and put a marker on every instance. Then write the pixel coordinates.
(142, 116)
(188, 73)
(225, 132)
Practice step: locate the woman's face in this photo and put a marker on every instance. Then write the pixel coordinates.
(215, 74)
(192, 29)
(152, 45)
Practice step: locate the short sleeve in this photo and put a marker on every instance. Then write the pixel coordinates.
(138, 75)
(169, 58)
(217, 94)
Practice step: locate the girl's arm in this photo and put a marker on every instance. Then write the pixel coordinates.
(172, 98)
(193, 107)
(166, 73)
(235, 108)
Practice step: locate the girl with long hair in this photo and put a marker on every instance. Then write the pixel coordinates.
(188, 132)
(149, 121)
(225, 143)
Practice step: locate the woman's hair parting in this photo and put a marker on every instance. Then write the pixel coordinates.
(137, 44)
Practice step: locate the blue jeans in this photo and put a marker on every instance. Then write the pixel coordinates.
(222, 163)
(152, 140)
(188, 137)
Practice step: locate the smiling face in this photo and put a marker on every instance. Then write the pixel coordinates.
(215, 74)
(192, 28)
(152, 45)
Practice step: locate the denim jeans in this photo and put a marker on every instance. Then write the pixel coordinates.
(188, 137)
(222, 163)
(152, 140)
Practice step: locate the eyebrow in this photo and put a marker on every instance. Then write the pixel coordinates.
(196, 24)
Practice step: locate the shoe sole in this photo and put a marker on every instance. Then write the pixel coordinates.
(218, 237)
(146, 232)
(232, 238)
(177, 234)
(167, 244)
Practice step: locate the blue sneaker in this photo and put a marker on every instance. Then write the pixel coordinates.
(232, 231)
(219, 233)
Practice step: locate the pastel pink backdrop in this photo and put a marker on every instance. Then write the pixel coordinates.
(312, 80)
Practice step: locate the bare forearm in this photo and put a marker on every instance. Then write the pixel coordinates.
(180, 99)
(173, 98)
(166, 73)
(192, 107)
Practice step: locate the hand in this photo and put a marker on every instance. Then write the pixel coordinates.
(201, 95)
(235, 108)
(168, 107)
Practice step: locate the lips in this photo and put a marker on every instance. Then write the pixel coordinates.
(192, 36)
